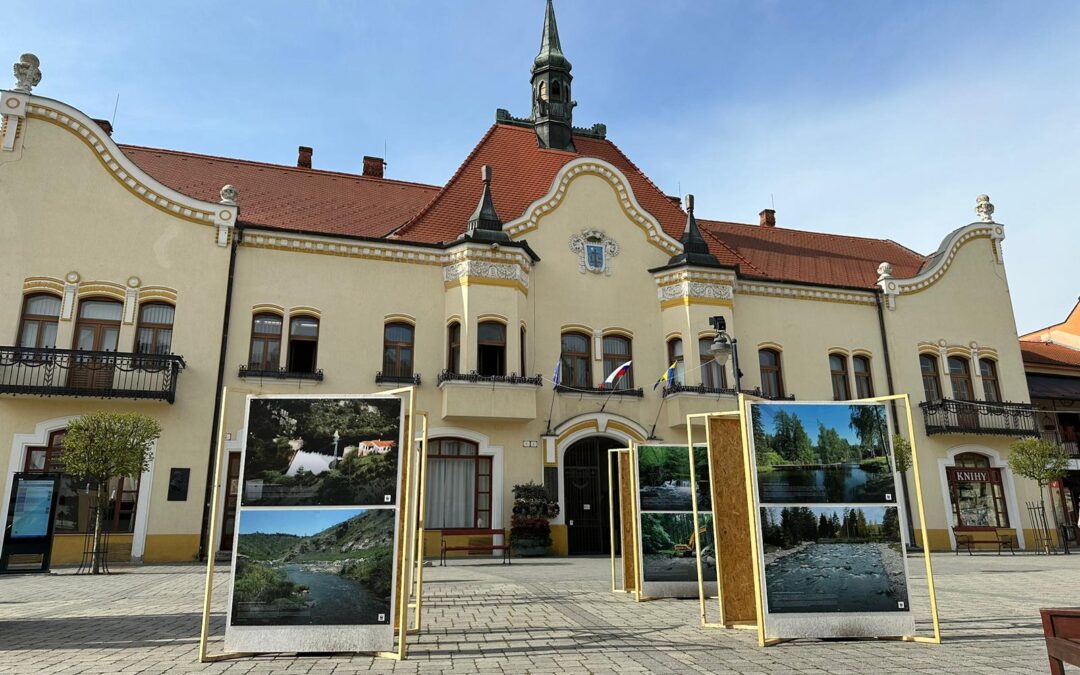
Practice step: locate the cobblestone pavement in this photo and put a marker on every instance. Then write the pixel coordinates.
(552, 615)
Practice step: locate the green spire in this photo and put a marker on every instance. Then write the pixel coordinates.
(550, 55)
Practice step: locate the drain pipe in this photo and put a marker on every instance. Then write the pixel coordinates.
(895, 417)
(205, 547)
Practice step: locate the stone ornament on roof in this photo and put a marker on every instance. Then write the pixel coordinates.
(984, 208)
(884, 271)
(27, 73)
(229, 194)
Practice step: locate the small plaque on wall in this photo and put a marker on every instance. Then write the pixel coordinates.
(178, 484)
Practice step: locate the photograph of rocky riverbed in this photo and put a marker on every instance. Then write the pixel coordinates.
(318, 567)
(664, 476)
(833, 559)
(667, 547)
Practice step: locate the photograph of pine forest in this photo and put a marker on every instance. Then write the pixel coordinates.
(667, 546)
(664, 476)
(319, 567)
(322, 452)
(822, 453)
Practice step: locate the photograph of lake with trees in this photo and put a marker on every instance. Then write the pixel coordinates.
(822, 453)
(833, 559)
(664, 478)
(322, 452)
(317, 567)
(667, 547)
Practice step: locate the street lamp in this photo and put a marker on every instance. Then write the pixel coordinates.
(724, 347)
(337, 438)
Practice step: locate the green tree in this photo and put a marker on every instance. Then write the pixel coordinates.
(1039, 460)
(868, 421)
(101, 446)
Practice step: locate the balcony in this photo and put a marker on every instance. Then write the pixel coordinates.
(247, 372)
(1071, 447)
(71, 372)
(949, 416)
(597, 391)
(496, 397)
(403, 380)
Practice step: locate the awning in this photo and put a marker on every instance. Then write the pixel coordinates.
(1053, 386)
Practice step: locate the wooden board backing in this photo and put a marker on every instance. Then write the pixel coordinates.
(626, 522)
(732, 521)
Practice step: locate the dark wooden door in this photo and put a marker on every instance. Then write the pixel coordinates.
(98, 330)
(585, 485)
(232, 490)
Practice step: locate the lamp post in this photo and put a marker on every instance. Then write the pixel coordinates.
(725, 346)
(337, 437)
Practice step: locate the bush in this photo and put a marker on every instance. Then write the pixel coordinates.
(532, 511)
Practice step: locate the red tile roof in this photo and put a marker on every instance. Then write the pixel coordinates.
(784, 254)
(1049, 354)
(291, 198)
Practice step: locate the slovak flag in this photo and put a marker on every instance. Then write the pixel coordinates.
(616, 374)
(558, 375)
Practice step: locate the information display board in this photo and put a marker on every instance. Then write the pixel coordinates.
(317, 525)
(28, 533)
(829, 520)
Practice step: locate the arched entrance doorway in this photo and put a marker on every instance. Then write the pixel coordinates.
(585, 484)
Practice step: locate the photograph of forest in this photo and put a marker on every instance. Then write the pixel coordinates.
(321, 567)
(664, 476)
(833, 559)
(322, 452)
(667, 547)
(822, 453)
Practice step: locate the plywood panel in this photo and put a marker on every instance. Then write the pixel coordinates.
(626, 522)
(734, 555)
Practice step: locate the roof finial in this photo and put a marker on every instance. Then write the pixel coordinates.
(27, 73)
(695, 249)
(485, 222)
(551, 53)
(884, 271)
(229, 194)
(984, 208)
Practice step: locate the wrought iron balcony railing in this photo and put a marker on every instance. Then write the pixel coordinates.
(75, 372)
(676, 388)
(949, 416)
(1071, 447)
(567, 389)
(397, 379)
(513, 378)
(282, 374)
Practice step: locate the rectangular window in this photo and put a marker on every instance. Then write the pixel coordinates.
(772, 381)
(988, 370)
(864, 384)
(265, 351)
(303, 344)
(460, 486)
(576, 361)
(617, 352)
(453, 348)
(930, 380)
(713, 375)
(491, 349)
(397, 350)
(840, 388)
(675, 355)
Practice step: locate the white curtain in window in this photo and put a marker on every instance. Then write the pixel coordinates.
(451, 493)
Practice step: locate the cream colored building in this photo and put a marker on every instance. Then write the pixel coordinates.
(283, 279)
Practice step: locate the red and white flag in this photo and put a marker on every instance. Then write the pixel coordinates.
(615, 375)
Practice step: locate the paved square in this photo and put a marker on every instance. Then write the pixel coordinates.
(551, 615)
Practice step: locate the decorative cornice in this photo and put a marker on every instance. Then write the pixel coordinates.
(160, 293)
(822, 294)
(267, 307)
(43, 284)
(305, 310)
(473, 266)
(943, 259)
(102, 289)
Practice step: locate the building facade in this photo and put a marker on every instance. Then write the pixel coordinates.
(145, 279)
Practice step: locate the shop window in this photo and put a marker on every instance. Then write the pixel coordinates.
(154, 334)
(459, 485)
(40, 317)
(491, 348)
(675, 355)
(453, 347)
(397, 350)
(303, 344)
(713, 375)
(772, 378)
(988, 371)
(841, 389)
(617, 351)
(976, 492)
(77, 497)
(576, 361)
(931, 381)
(265, 353)
(864, 383)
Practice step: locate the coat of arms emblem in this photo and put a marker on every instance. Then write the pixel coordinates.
(594, 251)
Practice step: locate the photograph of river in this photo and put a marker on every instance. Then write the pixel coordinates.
(664, 478)
(833, 559)
(822, 453)
(667, 547)
(310, 451)
(313, 567)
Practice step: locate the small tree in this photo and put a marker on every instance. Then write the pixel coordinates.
(103, 445)
(1039, 460)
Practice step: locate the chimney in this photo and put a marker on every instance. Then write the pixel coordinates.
(303, 157)
(373, 166)
(768, 218)
(106, 125)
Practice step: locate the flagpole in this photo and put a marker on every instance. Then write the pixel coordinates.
(663, 400)
(554, 393)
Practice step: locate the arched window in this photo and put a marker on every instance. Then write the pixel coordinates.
(576, 361)
(988, 371)
(491, 348)
(617, 351)
(976, 492)
(265, 352)
(397, 350)
(154, 335)
(303, 344)
(772, 377)
(960, 377)
(453, 347)
(675, 355)
(556, 91)
(841, 389)
(713, 375)
(541, 91)
(931, 381)
(40, 317)
(459, 485)
(864, 383)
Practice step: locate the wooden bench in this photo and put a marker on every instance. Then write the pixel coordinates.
(970, 537)
(1062, 630)
(472, 532)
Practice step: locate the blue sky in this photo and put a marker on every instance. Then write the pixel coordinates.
(836, 416)
(867, 118)
(301, 522)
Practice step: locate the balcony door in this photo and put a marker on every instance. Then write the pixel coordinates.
(97, 330)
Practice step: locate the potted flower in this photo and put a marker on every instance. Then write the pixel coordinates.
(530, 533)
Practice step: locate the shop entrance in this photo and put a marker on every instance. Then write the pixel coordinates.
(585, 485)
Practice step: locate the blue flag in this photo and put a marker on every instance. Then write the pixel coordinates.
(558, 374)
